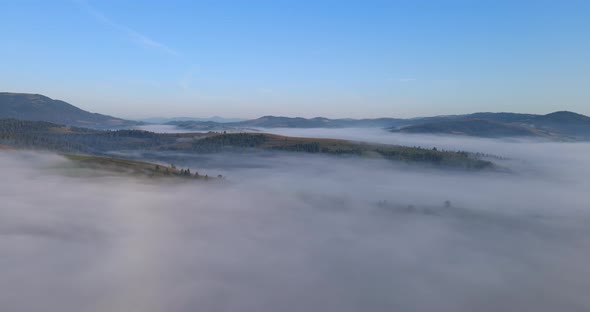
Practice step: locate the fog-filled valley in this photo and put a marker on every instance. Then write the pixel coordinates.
(300, 156)
(301, 232)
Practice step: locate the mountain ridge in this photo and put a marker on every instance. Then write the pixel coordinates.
(38, 107)
(473, 127)
(555, 125)
(560, 124)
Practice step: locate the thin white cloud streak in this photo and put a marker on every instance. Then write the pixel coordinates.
(132, 34)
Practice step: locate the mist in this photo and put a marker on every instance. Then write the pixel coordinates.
(295, 232)
(164, 129)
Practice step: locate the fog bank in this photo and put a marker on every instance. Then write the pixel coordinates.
(301, 233)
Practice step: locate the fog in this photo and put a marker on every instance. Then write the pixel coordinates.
(294, 232)
(157, 128)
(164, 129)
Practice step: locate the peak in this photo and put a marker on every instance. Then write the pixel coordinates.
(563, 113)
(565, 116)
(28, 95)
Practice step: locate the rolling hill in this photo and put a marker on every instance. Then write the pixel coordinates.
(38, 107)
(72, 140)
(561, 125)
(473, 127)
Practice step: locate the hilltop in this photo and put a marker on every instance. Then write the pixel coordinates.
(38, 107)
(562, 125)
(557, 125)
(473, 127)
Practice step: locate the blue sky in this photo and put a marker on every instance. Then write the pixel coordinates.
(299, 58)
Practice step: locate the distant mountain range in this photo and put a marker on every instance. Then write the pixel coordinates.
(38, 107)
(297, 122)
(561, 124)
(471, 127)
(161, 120)
(557, 125)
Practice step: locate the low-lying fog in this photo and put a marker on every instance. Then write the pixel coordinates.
(302, 233)
(164, 129)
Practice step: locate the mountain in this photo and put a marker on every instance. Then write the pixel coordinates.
(557, 125)
(564, 117)
(563, 123)
(472, 127)
(38, 107)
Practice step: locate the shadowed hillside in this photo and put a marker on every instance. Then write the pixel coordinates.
(473, 127)
(558, 125)
(41, 108)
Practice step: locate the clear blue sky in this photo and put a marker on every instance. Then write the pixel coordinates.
(299, 58)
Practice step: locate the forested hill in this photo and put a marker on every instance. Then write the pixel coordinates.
(49, 136)
(561, 125)
(474, 127)
(37, 107)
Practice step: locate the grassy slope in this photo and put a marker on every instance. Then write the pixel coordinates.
(127, 166)
(121, 165)
(7, 147)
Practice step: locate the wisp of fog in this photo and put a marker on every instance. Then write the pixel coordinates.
(294, 232)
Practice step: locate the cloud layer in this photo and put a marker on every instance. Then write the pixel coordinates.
(300, 233)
